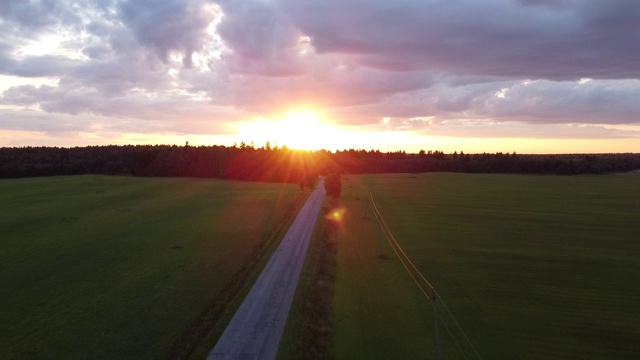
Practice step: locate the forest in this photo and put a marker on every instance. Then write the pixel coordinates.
(269, 164)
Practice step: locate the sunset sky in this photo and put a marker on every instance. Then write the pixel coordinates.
(531, 76)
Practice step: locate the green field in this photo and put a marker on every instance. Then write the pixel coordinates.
(531, 267)
(118, 267)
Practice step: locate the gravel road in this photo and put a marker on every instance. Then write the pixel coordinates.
(256, 328)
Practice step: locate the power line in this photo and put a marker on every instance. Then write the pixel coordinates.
(395, 246)
(458, 325)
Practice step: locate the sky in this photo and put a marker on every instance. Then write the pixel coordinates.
(531, 76)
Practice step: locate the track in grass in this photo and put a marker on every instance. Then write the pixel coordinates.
(118, 267)
(531, 266)
(425, 287)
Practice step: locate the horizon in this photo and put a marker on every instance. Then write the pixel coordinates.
(548, 78)
(333, 151)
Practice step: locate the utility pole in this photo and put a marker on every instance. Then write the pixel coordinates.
(364, 201)
(435, 321)
(380, 254)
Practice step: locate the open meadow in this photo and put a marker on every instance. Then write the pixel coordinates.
(119, 267)
(531, 267)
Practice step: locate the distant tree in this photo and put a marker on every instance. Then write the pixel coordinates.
(307, 180)
(241, 162)
(333, 185)
(311, 180)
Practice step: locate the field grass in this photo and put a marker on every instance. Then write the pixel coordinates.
(532, 267)
(118, 267)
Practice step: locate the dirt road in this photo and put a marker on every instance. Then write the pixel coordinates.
(255, 330)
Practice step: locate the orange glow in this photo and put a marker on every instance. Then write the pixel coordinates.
(336, 214)
(301, 129)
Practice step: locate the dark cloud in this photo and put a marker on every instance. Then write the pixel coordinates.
(261, 38)
(166, 26)
(432, 64)
(499, 38)
(97, 52)
(6, 62)
(42, 66)
(31, 14)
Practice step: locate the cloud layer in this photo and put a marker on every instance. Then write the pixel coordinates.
(198, 66)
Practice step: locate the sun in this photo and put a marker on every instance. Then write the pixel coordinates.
(301, 118)
(297, 129)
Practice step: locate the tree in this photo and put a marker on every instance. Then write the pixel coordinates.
(333, 185)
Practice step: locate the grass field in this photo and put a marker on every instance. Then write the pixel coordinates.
(118, 267)
(532, 267)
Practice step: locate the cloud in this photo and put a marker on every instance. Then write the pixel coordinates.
(493, 37)
(33, 14)
(261, 39)
(533, 102)
(172, 108)
(462, 67)
(39, 66)
(167, 26)
(586, 101)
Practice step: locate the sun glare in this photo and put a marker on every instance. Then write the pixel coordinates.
(336, 214)
(301, 130)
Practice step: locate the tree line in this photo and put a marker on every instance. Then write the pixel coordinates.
(285, 165)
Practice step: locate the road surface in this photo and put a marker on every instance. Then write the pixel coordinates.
(255, 330)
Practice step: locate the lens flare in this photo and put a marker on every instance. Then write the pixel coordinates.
(336, 214)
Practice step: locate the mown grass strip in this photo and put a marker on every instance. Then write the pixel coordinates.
(378, 312)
